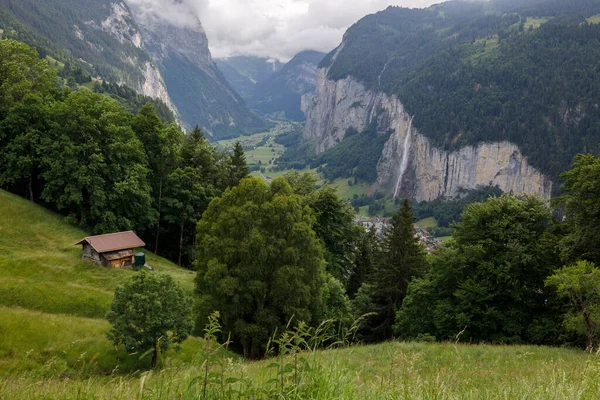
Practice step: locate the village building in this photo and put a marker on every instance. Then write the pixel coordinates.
(111, 250)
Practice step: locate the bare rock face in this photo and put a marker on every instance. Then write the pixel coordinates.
(120, 24)
(410, 166)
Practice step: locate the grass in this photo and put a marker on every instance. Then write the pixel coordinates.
(55, 63)
(393, 370)
(594, 19)
(534, 22)
(49, 290)
(53, 343)
(427, 223)
(444, 239)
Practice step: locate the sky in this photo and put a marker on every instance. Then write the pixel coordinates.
(273, 28)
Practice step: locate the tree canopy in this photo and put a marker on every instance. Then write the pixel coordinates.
(149, 313)
(259, 262)
(489, 283)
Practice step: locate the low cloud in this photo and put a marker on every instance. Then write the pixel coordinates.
(271, 28)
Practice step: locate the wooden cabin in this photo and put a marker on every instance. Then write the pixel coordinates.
(111, 250)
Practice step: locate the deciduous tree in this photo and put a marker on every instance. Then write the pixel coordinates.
(149, 313)
(259, 263)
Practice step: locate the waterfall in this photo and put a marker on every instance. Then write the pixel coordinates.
(381, 74)
(404, 161)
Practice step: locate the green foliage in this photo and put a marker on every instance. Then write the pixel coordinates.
(259, 263)
(580, 200)
(94, 167)
(489, 284)
(446, 211)
(52, 27)
(133, 101)
(357, 155)
(469, 73)
(580, 285)
(149, 313)
(85, 155)
(403, 259)
(335, 227)
(237, 166)
(22, 74)
(366, 258)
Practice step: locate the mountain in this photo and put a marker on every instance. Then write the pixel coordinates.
(199, 90)
(134, 44)
(285, 92)
(426, 102)
(98, 36)
(244, 72)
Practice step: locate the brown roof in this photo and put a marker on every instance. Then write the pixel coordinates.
(113, 241)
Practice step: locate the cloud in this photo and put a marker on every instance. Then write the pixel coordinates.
(271, 28)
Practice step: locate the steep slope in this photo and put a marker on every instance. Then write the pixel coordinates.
(99, 36)
(244, 72)
(52, 303)
(469, 94)
(197, 87)
(286, 91)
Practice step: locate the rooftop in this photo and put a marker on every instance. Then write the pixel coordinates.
(113, 241)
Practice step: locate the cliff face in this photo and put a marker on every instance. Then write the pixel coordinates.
(119, 23)
(410, 166)
(197, 88)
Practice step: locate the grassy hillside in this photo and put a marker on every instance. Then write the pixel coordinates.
(386, 371)
(53, 343)
(53, 303)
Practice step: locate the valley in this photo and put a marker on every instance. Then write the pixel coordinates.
(319, 200)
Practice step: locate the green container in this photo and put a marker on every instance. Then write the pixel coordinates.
(139, 260)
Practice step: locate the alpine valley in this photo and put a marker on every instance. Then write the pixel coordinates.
(130, 43)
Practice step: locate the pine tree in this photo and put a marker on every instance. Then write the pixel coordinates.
(238, 168)
(404, 258)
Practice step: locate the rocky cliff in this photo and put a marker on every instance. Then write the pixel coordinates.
(119, 23)
(178, 44)
(410, 166)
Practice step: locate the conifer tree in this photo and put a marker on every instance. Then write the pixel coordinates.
(404, 258)
(238, 168)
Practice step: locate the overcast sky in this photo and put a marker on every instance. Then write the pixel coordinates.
(278, 28)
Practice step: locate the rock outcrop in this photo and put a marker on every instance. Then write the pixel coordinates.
(410, 166)
(177, 42)
(119, 24)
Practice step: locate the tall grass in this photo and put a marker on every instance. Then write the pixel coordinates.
(299, 370)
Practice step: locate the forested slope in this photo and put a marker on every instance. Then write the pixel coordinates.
(469, 72)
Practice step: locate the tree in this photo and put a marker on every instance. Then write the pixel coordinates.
(22, 131)
(581, 202)
(198, 153)
(367, 254)
(162, 145)
(259, 263)
(489, 282)
(22, 73)
(185, 201)
(149, 313)
(238, 169)
(95, 168)
(580, 285)
(403, 259)
(335, 227)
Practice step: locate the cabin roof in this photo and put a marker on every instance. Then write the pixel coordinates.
(113, 241)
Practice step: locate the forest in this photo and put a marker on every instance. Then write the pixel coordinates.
(87, 156)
